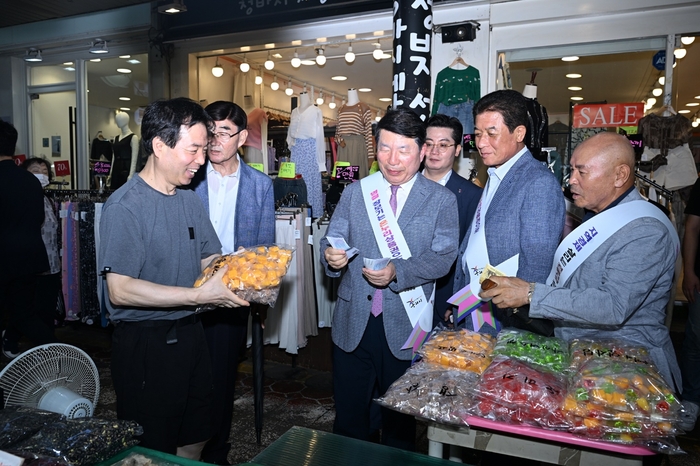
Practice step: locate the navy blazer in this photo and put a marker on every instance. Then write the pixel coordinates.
(255, 205)
(468, 195)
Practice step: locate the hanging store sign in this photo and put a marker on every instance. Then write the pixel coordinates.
(607, 115)
(61, 167)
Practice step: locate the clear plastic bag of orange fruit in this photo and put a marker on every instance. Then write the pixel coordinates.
(254, 273)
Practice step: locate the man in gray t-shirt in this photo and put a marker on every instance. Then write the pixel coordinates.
(155, 241)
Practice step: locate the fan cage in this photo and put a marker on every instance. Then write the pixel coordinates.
(29, 376)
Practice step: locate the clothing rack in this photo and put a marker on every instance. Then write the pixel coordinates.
(665, 192)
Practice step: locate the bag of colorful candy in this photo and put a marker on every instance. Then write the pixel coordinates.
(548, 353)
(433, 392)
(460, 349)
(516, 392)
(583, 350)
(254, 273)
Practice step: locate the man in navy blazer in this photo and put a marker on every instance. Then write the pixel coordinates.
(368, 340)
(443, 144)
(241, 206)
(522, 210)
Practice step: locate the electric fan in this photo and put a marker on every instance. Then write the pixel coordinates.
(55, 377)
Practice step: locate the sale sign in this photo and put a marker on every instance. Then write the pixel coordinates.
(61, 167)
(607, 115)
(19, 159)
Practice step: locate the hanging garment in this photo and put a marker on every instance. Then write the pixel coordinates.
(304, 159)
(537, 129)
(354, 136)
(456, 86)
(122, 161)
(326, 287)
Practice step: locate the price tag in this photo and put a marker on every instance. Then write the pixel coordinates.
(297, 234)
(350, 173)
(102, 168)
(339, 163)
(258, 166)
(374, 168)
(469, 142)
(61, 167)
(310, 239)
(307, 222)
(287, 170)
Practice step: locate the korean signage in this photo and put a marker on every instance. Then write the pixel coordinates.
(102, 168)
(607, 115)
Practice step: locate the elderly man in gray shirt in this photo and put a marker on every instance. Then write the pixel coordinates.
(612, 276)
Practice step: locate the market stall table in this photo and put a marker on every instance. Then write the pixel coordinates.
(533, 443)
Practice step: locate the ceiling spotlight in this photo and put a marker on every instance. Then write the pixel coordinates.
(651, 101)
(217, 70)
(320, 57)
(575, 88)
(687, 40)
(320, 101)
(296, 61)
(289, 90)
(126, 99)
(577, 98)
(126, 109)
(680, 53)
(364, 89)
(124, 56)
(662, 80)
(274, 85)
(269, 64)
(123, 70)
(174, 7)
(657, 91)
(258, 79)
(350, 56)
(573, 75)
(571, 58)
(99, 46)
(339, 78)
(245, 66)
(33, 55)
(332, 103)
(695, 123)
(377, 52)
(96, 60)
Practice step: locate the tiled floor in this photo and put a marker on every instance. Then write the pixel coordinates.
(292, 396)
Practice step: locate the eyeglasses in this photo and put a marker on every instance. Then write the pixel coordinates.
(224, 137)
(442, 147)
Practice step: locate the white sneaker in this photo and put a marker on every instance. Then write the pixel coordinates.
(688, 416)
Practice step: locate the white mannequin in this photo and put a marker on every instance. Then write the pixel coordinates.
(122, 121)
(530, 91)
(304, 101)
(353, 98)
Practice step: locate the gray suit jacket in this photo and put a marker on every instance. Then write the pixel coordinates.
(526, 217)
(621, 292)
(429, 222)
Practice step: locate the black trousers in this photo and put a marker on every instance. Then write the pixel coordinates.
(355, 376)
(226, 331)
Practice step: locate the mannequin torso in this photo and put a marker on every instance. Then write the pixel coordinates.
(353, 98)
(304, 101)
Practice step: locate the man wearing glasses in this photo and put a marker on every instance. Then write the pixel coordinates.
(443, 146)
(241, 206)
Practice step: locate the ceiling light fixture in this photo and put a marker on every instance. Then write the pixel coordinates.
(385, 99)
(339, 78)
(245, 66)
(274, 85)
(174, 7)
(125, 56)
(320, 57)
(379, 115)
(33, 55)
(126, 109)
(687, 40)
(575, 88)
(657, 91)
(123, 70)
(377, 52)
(364, 89)
(125, 98)
(651, 101)
(350, 56)
(269, 64)
(692, 104)
(319, 100)
(96, 60)
(217, 70)
(289, 91)
(680, 53)
(99, 46)
(662, 80)
(332, 103)
(133, 61)
(258, 78)
(684, 111)
(695, 123)
(577, 98)
(308, 62)
(571, 58)
(296, 61)
(573, 75)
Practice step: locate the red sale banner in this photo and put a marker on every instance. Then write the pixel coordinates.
(19, 159)
(61, 167)
(607, 115)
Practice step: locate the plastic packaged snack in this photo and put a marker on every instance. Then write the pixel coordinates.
(547, 353)
(254, 273)
(433, 392)
(621, 391)
(460, 349)
(513, 391)
(20, 422)
(583, 350)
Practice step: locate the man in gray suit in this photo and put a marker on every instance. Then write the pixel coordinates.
(522, 209)
(374, 316)
(621, 289)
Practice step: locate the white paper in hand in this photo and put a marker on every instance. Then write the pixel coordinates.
(376, 264)
(340, 243)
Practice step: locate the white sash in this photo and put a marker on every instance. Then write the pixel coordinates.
(391, 241)
(584, 240)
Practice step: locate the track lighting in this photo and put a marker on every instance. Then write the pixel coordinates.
(289, 91)
(651, 101)
(174, 7)
(296, 61)
(320, 57)
(319, 100)
(275, 85)
(332, 103)
(99, 46)
(687, 40)
(245, 66)
(680, 53)
(657, 91)
(33, 55)
(350, 56)
(217, 70)
(377, 53)
(258, 78)
(269, 64)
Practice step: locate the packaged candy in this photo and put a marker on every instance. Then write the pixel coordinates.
(433, 392)
(621, 391)
(547, 353)
(254, 273)
(583, 350)
(513, 391)
(461, 349)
